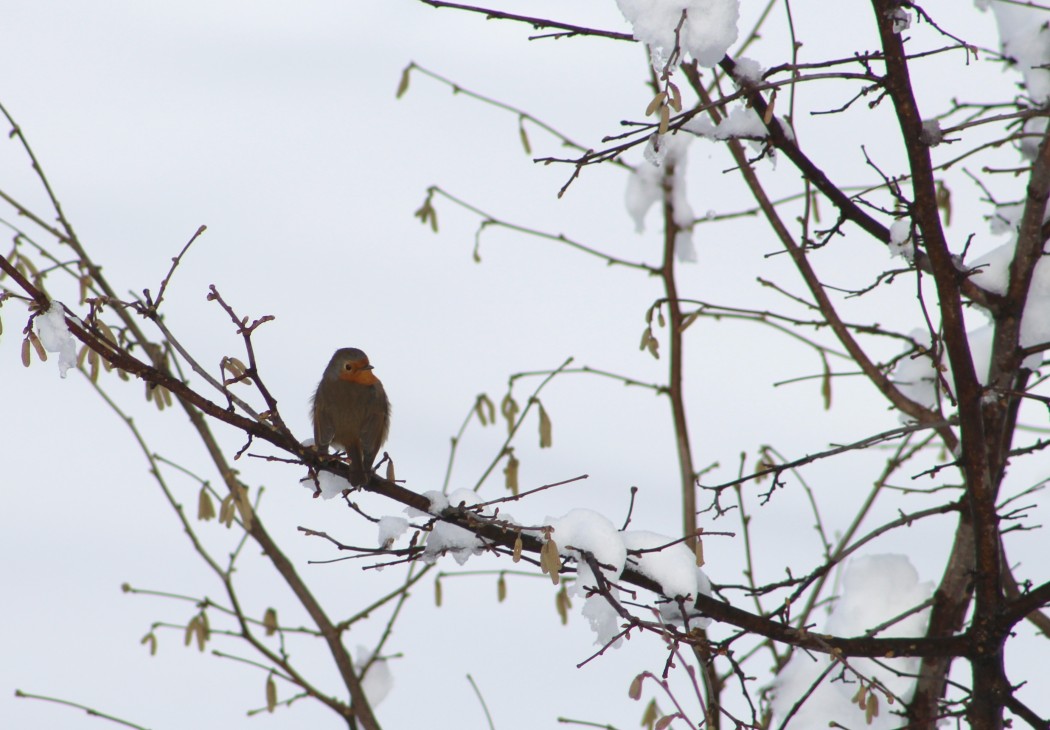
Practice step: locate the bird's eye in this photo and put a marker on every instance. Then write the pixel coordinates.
(348, 366)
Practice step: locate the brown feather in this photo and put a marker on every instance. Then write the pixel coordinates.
(351, 410)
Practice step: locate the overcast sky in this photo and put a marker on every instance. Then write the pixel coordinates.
(275, 124)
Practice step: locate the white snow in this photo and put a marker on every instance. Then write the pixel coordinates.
(916, 375)
(378, 682)
(901, 20)
(993, 274)
(993, 268)
(1007, 218)
(684, 248)
(645, 187)
(900, 239)
(701, 126)
(708, 31)
(749, 70)
(55, 336)
(445, 538)
(330, 484)
(438, 503)
(932, 134)
(875, 590)
(674, 568)
(604, 620)
(585, 530)
(673, 613)
(1025, 37)
(1034, 129)
(390, 529)
(741, 121)
(655, 150)
(458, 497)
(981, 350)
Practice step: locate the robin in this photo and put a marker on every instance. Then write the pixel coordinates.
(350, 408)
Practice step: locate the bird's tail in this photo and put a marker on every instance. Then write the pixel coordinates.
(360, 468)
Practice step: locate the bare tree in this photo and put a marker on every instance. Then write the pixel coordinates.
(960, 391)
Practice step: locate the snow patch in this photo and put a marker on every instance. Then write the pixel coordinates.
(748, 70)
(582, 530)
(55, 336)
(876, 589)
(741, 121)
(901, 20)
(706, 33)
(329, 484)
(445, 538)
(901, 243)
(1025, 37)
(917, 375)
(674, 568)
(438, 503)
(391, 529)
(645, 187)
(993, 273)
(378, 682)
(604, 620)
(931, 133)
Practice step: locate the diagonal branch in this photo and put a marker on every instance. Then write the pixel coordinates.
(570, 30)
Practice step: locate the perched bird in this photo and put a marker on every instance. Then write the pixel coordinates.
(350, 408)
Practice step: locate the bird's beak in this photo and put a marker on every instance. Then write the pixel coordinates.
(369, 367)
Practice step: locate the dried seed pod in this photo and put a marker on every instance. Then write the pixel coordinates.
(510, 409)
(510, 473)
(655, 104)
(270, 621)
(546, 438)
(271, 693)
(205, 506)
(38, 346)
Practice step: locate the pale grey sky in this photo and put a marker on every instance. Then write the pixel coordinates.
(275, 124)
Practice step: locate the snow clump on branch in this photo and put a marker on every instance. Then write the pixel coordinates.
(901, 243)
(876, 589)
(674, 568)
(706, 34)
(444, 537)
(55, 336)
(1025, 38)
(670, 564)
(645, 186)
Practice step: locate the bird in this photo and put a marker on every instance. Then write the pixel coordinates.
(350, 408)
